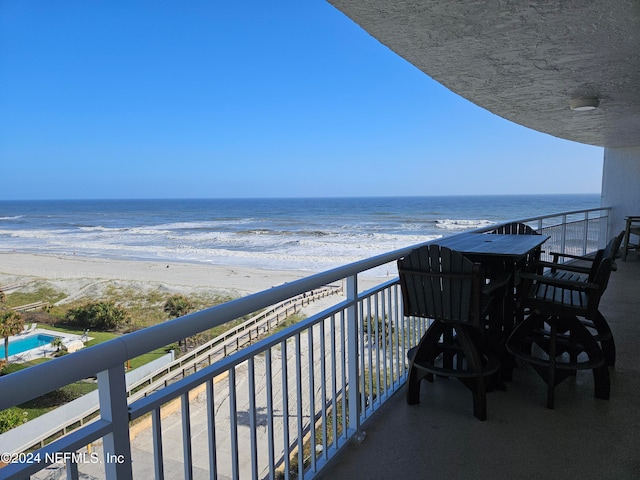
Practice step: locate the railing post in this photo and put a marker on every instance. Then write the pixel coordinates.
(352, 352)
(586, 233)
(112, 393)
(563, 238)
(604, 232)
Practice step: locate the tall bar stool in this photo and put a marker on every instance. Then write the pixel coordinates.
(553, 339)
(441, 284)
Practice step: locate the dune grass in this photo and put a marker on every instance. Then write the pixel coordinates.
(146, 308)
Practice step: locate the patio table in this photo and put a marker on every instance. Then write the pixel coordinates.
(499, 254)
(491, 248)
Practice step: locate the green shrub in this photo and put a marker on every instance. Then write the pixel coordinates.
(11, 418)
(98, 316)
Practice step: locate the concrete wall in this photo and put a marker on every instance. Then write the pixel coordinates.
(621, 185)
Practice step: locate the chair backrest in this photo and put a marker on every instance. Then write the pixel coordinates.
(441, 284)
(601, 279)
(612, 250)
(609, 252)
(515, 228)
(597, 259)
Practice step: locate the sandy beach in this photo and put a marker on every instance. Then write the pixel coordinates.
(73, 274)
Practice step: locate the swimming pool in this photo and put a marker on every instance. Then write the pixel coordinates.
(22, 345)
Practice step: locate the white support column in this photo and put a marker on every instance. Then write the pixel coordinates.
(621, 185)
(112, 392)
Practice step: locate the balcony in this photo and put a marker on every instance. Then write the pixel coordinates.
(581, 438)
(325, 396)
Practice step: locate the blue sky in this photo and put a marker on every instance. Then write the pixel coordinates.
(166, 99)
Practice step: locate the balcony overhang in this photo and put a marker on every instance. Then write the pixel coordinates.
(524, 61)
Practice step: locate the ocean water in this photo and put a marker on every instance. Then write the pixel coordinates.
(300, 234)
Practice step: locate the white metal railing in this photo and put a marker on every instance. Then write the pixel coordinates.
(280, 407)
(576, 232)
(228, 342)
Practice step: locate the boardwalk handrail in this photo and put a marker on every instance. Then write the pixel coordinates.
(347, 319)
(218, 346)
(29, 306)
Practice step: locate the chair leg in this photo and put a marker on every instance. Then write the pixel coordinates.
(448, 338)
(551, 374)
(413, 386)
(474, 364)
(425, 355)
(568, 331)
(425, 352)
(605, 337)
(601, 379)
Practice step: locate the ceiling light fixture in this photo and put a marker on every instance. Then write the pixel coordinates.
(584, 104)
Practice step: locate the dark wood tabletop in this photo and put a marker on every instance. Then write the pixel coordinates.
(494, 245)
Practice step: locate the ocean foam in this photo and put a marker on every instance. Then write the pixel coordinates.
(448, 224)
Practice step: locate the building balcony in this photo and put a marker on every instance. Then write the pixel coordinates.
(582, 437)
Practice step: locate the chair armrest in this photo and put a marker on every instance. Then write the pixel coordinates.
(563, 266)
(558, 282)
(568, 255)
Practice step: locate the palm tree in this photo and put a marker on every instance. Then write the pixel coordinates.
(11, 323)
(177, 306)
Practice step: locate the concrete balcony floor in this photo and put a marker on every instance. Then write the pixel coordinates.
(582, 438)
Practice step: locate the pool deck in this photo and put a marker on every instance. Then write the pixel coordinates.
(45, 351)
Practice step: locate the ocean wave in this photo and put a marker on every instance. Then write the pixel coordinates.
(100, 228)
(448, 224)
(305, 252)
(205, 224)
(259, 231)
(33, 234)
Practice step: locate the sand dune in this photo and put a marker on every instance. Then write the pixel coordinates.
(75, 275)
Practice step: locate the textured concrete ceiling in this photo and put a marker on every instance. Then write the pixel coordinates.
(524, 61)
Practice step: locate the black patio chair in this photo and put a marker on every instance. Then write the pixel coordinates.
(586, 271)
(553, 339)
(440, 284)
